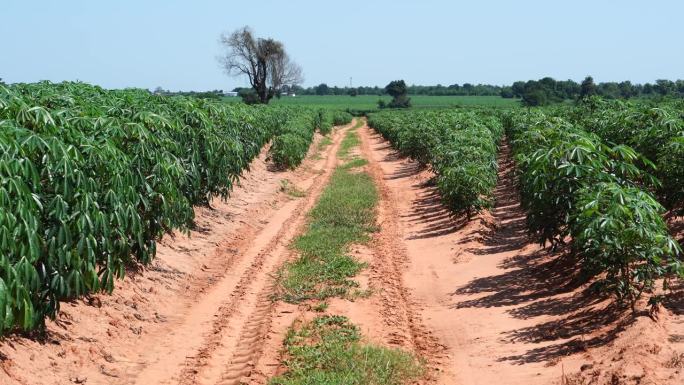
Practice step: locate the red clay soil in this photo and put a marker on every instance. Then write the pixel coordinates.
(502, 310)
(677, 227)
(200, 313)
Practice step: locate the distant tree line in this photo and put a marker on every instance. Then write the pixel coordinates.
(214, 94)
(466, 89)
(548, 90)
(532, 92)
(540, 92)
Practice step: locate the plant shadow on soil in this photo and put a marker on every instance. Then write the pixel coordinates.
(538, 283)
(433, 218)
(428, 211)
(674, 301)
(538, 287)
(677, 228)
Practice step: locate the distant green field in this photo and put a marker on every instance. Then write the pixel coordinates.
(368, 102)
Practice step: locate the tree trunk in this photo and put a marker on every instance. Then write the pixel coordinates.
(263, 94)
(261, 81)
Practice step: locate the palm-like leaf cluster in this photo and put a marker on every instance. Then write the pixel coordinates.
(340, 118)
(291, 142)
(656, 131)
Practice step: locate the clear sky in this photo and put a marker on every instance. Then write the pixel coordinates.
(174, 44)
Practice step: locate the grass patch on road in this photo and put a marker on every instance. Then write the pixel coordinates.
(328, 350)
(354, 163)
(350, 141)
(325, 142)
(344, 215)
(322, 145)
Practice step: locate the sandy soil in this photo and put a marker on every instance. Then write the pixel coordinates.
(200, 313)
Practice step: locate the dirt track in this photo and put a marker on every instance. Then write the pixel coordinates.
(498, 308)
(476, 299)
(452, 267)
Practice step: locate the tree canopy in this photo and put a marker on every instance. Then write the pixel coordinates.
(263, 60)
(398, 91)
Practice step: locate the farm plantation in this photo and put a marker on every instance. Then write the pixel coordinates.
(224, 243)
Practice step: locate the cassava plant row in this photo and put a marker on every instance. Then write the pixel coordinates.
(460, 147)
(90, 179)
(577, 188)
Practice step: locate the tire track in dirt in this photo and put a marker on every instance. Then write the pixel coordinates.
(442, 253)
(230, 349)
(404, 327)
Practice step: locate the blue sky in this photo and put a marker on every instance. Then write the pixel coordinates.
(174, 44)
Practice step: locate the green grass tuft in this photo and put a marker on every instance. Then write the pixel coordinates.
(354, 163)
(325, 142)
(328, 351)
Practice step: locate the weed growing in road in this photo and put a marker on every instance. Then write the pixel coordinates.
(325, 142)
(328, 350)
(322, 145)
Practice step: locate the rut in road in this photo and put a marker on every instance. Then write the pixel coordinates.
(237, 310)
(403, 326)
(470, 283)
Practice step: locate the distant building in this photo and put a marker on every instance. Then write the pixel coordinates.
(230, 93)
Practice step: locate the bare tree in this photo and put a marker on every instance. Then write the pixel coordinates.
(264, 61)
